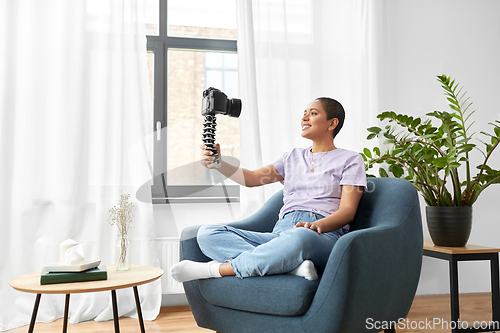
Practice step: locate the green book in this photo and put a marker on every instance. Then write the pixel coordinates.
(94, 274)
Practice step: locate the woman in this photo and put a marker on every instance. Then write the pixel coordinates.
(322, 188)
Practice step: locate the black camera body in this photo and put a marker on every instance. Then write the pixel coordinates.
(216, 102)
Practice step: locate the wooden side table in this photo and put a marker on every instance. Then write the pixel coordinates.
(134, 277)
(468, 253)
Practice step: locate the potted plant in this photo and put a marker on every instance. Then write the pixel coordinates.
(436, 160)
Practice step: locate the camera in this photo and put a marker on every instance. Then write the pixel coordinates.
(216, 102)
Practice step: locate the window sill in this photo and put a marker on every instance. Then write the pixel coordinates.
(196, 194)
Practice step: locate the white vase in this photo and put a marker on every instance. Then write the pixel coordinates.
(123, 253)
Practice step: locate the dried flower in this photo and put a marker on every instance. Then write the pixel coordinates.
(122, 215)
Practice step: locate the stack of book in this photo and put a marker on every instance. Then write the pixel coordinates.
(61, 274)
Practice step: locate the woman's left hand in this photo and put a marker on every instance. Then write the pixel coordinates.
(308, 225)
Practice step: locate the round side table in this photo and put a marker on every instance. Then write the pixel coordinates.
(134, 277)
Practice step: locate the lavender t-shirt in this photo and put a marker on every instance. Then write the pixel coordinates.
(318, 191)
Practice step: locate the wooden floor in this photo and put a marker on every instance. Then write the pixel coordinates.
(436, 308)
(171, 320)
(427, 312)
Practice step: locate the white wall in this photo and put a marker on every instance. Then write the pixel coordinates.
(460, 38)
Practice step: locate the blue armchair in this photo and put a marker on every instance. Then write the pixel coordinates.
(370, 279)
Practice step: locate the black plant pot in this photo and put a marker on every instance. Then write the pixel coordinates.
(449, 226)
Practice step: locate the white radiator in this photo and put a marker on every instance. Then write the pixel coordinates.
(169, 255)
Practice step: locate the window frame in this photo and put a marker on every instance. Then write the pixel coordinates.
(161, 192)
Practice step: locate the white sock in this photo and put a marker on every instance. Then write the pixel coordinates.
(306, 270)
(188, 270)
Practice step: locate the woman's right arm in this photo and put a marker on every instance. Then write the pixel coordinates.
(250, 178)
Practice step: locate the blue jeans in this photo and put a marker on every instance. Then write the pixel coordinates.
(256, 254)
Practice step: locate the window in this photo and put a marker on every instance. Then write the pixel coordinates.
(191, 46)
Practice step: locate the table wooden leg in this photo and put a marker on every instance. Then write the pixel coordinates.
(35, 311)
(139, 311)
(115, 311)
(454, 298)
(66, 312)
(495, 288)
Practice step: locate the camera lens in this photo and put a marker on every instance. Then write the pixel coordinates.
(233, 107)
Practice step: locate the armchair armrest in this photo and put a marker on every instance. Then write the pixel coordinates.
(188, 245)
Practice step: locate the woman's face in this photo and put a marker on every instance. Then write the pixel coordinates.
(314, 122)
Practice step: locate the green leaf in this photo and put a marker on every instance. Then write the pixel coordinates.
(449, 142)
(447, 172)
(470, 114)
(452, 153)
(374, 129)
(447, 199)
(371, 136)
(416, 122)
(440, 162)
(465, 148)
(487, 134)
(434, 114)
(396, 170)
(452, 100)
(367, 152)
(383, 173)
(389, 141)
(376, 150)
(497, 131)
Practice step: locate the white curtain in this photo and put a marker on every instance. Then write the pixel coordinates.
(293, 51)
(74, 112)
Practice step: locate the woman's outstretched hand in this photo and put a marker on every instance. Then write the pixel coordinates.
(308, 225)
(207, 158)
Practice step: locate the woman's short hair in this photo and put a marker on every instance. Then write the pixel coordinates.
(333, 110)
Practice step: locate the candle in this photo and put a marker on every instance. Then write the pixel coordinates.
(63, 247)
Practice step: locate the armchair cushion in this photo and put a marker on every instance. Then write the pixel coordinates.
(280, 295)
